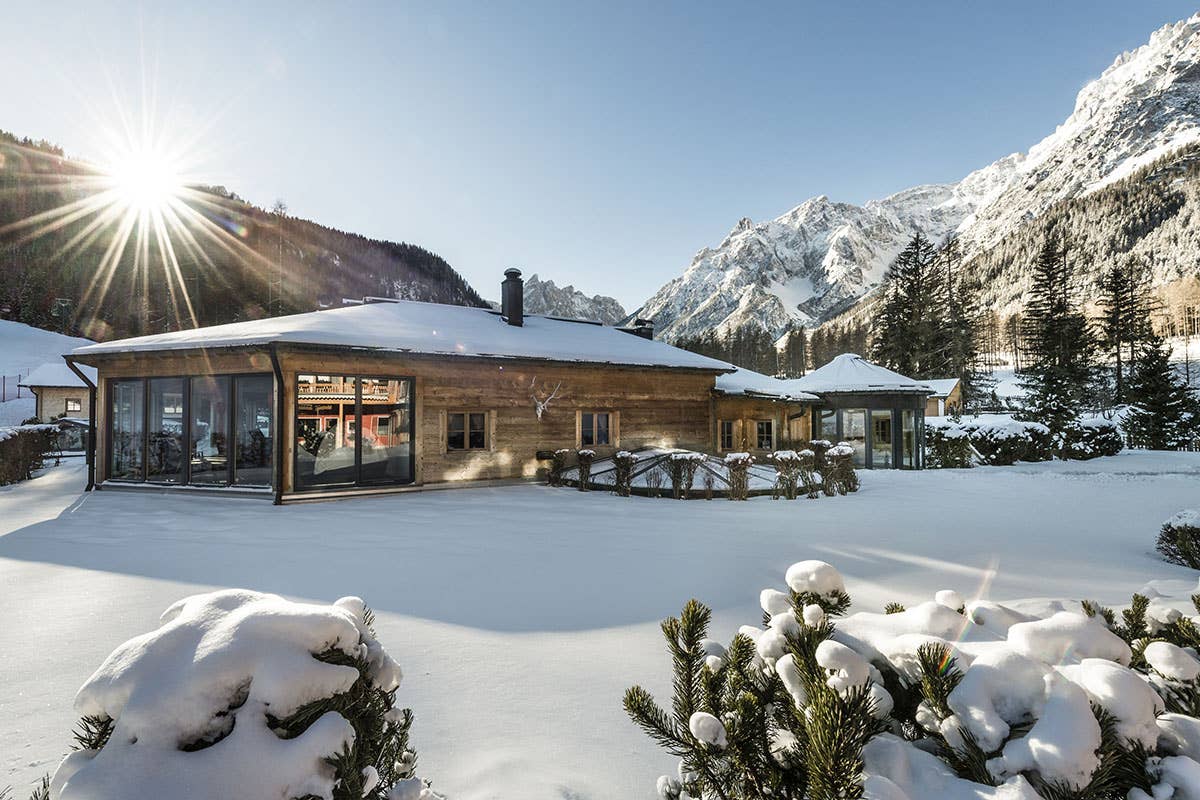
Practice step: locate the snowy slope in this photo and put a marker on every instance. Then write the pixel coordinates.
(544, 297)
(821, 256)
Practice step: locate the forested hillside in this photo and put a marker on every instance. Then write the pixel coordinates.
(235, 261)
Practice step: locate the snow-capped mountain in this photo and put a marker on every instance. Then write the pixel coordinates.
(822, 256)
(544, 297)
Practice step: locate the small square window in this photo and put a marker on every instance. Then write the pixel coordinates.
(766, 439)
(466, 431)
(74, 405)
(595, 428)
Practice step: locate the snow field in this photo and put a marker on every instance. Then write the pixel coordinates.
(521, 614)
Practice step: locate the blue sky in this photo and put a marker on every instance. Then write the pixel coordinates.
(599, 144)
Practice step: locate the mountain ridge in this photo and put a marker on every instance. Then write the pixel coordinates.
(823, 257)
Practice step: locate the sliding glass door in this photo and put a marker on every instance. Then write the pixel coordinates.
(353, 430)
(206, 431)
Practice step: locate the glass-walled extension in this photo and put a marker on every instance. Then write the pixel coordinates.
(353, 430)
(886, 437)
(201, 431)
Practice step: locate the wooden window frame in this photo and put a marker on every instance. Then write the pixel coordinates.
(758, 438)
(721, 446)
(488, 431)
(614, 427)
(67, 405)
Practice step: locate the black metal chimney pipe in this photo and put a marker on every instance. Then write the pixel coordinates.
(512, 297)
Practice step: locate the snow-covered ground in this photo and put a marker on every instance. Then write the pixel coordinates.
(520, 614)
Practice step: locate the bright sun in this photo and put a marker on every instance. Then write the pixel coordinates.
(145, 180)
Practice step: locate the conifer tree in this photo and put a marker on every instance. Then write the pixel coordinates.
(1164, 413)
(1059, 346)
(910, 330)
(1125, 317)
(963, 328)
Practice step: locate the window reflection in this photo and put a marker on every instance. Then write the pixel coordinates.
(210, 430)
(164, 455)
(854, 433)
(254, 418)
(126, 438)
(881, 438)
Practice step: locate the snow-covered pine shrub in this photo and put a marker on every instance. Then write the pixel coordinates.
(840, 477)
(943, 699)
(23, 449)
(947, 445)
(247, 695)
(623, 462)
(1103, 436)
(682, 467)
(1179, 539)
(583, 460)
(1000, 441)
(557, 465)
(787, 474)
(738, 467)
(809, 479)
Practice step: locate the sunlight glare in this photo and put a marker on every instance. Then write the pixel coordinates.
(145, 180)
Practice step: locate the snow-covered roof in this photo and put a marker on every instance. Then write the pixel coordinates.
(942, 387)
(749, 382)
(58, 374)
(852, 373)
(407, 326)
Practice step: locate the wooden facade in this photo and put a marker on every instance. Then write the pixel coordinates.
(738, 424)
(941, 405)
(646, 406)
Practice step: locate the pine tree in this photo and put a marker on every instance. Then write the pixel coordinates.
(962, 328)
(1124, 322)
(911, 326)
(1164, 413)
(1058, 342)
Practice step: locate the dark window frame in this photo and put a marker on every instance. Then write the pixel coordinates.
(231, 421)
(467, 418)
(356, 421)
(758, 434)
(593, 430)
(67, 405)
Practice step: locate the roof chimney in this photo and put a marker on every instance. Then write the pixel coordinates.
(512, 297)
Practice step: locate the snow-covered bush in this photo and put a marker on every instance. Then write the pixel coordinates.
(809, 478)
(945, 699)
(787, 474)
(947, 444)
(819, 447)
(623, 462)
(1092, 437)
(23, 449)
(239, 694)
(840, 477)
(738, 467)
(1002, 441)
(1179, 539)
(583, 461)
(557, 465)
(683, 473)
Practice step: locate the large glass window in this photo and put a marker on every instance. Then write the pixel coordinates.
(254, 429)
(176, 430)
(164, 453)
(352, 430)
(386, 453)
(854, 433)
(827, 429)
(127, 439)
(325, 411)
(881, 438)
(210, 430)
(909, 441)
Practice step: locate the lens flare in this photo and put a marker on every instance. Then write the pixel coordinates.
(145, 180)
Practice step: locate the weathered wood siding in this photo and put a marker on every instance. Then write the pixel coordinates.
(792, 423)
(650, 407)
